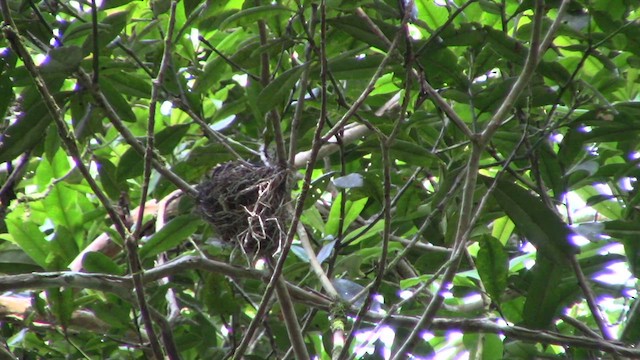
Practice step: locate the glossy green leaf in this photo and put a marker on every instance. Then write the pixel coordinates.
(170, 236)
(351, 211)
(502, 229)
(98, 262)
(279, 89)
(29, 238)
(492, 263)
(61, 304)
(130, 84)
(64, 59)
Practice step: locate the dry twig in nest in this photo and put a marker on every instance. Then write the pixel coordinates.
(245, 204)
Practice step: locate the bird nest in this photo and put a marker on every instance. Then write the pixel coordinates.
(245, 204)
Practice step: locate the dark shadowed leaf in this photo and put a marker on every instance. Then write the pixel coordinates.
(539, 224)
(132, 164)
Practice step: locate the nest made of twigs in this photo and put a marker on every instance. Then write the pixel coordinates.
(245, 203)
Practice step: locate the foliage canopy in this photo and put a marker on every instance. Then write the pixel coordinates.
(475, 163)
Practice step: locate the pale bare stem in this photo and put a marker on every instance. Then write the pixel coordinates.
(505, 167)
(410, 244)
(15, 175)
(414, 242)
(315, 264)
(374, 28)
(579, 325)
(386, 233)
(306, 184)
(227, 59)
(291, 321)
(351, 134)
(132, 241)
(548, 38)
(96, 47)
(385, 147)
(297, 115)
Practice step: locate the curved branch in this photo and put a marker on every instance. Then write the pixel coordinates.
(122, 286)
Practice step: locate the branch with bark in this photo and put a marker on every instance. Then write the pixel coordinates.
(14, 306)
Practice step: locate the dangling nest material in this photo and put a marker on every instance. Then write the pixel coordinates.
(245, 203)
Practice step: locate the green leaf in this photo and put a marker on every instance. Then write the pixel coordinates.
(97, 262)
(502, 229)
(609, 208)
(29, 238)
(107, 175)
(61, 303)
(129, 83)
(551, 171)
(492, 263)
(363, 233)
(132, 164)
(631, 331)
(172, 234)
(360, 30)
(351, 212)
(117, 101)
(546, 292)
(64, 59)
(253, 14)
(110, 27)
(539, 224)
(279, 89)
(317, 189)
(14, 260)
(61, 201)
(24, 134)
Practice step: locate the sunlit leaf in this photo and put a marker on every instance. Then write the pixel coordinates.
(492, 265)
(172, 234)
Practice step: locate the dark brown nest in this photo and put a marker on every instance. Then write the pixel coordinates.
(245, 203)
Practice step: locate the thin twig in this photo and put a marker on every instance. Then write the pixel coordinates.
(96, 45)
(291, 321)
(590, 297)
(227, 59)
(273, 115)
(304, 79)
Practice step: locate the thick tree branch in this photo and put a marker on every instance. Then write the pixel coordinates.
(122, 285)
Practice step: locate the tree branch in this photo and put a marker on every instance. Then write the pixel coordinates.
(122, 285)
